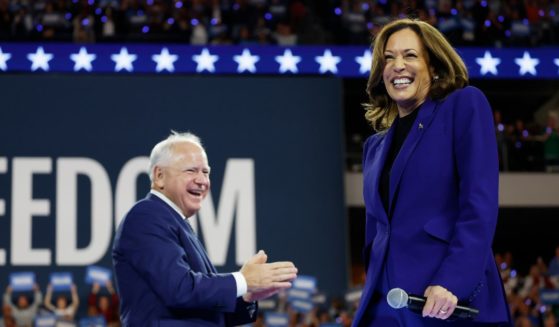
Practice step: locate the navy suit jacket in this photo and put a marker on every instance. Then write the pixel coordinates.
(443, 204)
(164, 277)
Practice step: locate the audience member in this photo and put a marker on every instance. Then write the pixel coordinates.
(63, 310)
(23, 311)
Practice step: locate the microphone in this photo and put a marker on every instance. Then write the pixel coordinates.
(397, 298)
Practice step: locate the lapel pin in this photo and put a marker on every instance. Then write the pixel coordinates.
(420, 126)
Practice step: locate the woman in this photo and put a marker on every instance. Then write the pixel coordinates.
(430, 184)
(63, 310)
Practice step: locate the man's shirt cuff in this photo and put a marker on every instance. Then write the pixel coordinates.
(242, 286)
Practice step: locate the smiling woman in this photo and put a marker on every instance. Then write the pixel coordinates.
(415, 45)
(430, 181)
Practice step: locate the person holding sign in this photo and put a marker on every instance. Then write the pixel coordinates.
(63, 310)
(163, 274)
(102, 304)
(22, 311)
(431, 179)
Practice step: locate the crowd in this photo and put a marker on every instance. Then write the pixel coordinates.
(281, 22)
(528, 146)
(22, 309)
(533, 300)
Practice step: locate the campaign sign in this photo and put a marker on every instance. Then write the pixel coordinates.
(22, 281)
(298, 294)
(549, 296)
(353, 295)
(96, 274)
(302, 305)
(274, 319)
(47, 320)
(305, 283)
(61, 281)
(98, 321)
(319, 298)
(267, 304)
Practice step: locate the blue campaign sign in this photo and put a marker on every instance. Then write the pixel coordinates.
(45, 320)
(98, 321)
(96, 274)
(274, 319)
(298, 294)
(304, 282)
(268, 304)
(22, 281)
(61, 281)
(344, 61)
(549, 297)
(302, 305)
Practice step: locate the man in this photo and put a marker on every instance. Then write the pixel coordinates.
(163, 274)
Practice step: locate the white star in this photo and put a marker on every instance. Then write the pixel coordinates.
(288, 62)
(246, 61)
(488, 64)
(3, 58)
(365, 61)
(39, 59)
(556, 60)
(205, 61)
(124, 60)
(328, 63)
(82, 60)
(165, 60)
(527, 64)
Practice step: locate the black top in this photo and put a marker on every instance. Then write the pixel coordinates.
(401, 130)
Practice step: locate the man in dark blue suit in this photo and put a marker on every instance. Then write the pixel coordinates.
(163, 273)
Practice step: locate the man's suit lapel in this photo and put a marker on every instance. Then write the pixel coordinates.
(192, 237)
(424, 118)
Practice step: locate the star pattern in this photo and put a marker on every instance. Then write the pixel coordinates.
(165, 61)
(328, 62)
(288, 62)
(246, 61)
(205, 61)
(40, 59)
(4, 57)
(365, 61)
(83, 60)
(488, 64)
(527, 64)
(345, 61)
(124, 60)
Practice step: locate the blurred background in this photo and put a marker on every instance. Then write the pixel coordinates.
(275, 89)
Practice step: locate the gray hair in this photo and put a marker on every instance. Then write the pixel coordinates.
(162, 152)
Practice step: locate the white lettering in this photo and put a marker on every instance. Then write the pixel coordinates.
(67, 252)
(3, 169)
(24, 207)
(126, 186)
(237, 200)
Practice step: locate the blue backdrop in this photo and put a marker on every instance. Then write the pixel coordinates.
(74, 150)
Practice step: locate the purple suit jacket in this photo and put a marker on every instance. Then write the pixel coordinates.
(163, 276)
(443, 204)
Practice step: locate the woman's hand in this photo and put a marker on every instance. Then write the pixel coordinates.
(440, 302)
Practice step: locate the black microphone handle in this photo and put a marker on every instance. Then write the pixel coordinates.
(416, 304)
